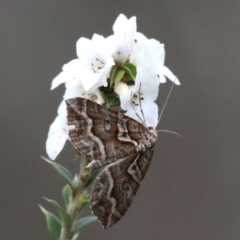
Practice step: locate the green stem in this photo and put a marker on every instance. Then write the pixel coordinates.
(74, 207)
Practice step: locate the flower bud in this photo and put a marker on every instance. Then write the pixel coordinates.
(121, 52)
(121, 88)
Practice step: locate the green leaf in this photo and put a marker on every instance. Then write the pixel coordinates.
(130, 70)
(92, 177)
(66, 194)
(118, 75)
(84, 203)
(130, 82)
(83, 222)
(112, 74)
(111, 100)
(53, 224)
(61, 170)
(63, 214)
(83, 200)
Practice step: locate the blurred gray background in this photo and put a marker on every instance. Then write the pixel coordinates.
(191, 191)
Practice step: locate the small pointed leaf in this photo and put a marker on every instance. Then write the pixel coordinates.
(85, 203)
(53, 224)
(83, 200)
(130, 82)
(112, 74)
(111, 100)
(83, 222)
(130, 70)
(61, 170)
(119, 75)
(63, 214)
(66, 194)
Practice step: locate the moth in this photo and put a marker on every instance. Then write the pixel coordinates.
(119, 144)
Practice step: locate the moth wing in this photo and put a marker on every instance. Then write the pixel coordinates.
(100, 133)
(117, 184)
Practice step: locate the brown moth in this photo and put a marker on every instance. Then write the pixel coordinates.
(123, 146)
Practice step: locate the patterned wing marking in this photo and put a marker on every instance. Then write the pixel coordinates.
(116, 186)
(101, 134)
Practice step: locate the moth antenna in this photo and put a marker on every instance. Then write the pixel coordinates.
(164, 105)
(167, 131)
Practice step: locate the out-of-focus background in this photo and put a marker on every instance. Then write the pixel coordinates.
(192, 189)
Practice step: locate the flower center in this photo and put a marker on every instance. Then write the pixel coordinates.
(97, 65)
(136, 98)
(92, 97)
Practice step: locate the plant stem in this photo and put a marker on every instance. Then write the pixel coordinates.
(75, 207)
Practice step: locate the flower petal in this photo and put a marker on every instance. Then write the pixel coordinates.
(60, 78)
(83, 45)
(119, 25)
(169, 75)
(162, 78)
(57, 136)
(125, 28)
(150, 111)
(91, 81)
(125, 99)
(59, 125)
(62, 113)
(74, 68)
(121, 48)
(55, 143)
(74, 89)
(149, 84)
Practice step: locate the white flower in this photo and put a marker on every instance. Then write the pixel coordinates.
(72, 71)
(75, 89)
(123, 39)
(58, 133)
(140, 98)
(93, 66)
(150, 54)
(84, 76)
(124, 28)
(122, 49)
(96, 61)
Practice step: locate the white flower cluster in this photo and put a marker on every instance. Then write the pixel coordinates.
(124, 69)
